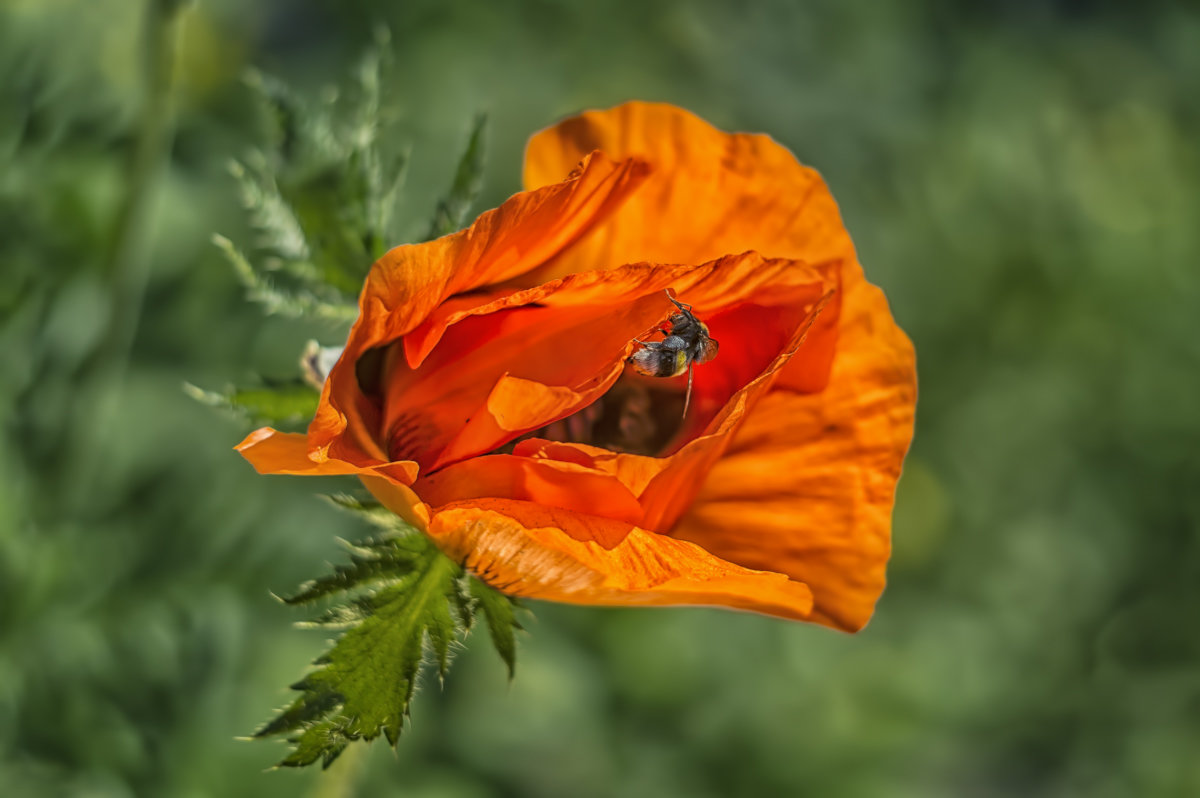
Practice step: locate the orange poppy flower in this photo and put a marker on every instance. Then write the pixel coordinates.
(484, 395)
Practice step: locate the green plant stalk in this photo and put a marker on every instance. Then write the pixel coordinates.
(126, 265)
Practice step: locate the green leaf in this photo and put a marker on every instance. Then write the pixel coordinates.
(278, 300)
(272, 218)
(331, 204)
(451, 213)
(321, 202)
(332, 176)
(372, 512)
(280, 403)
(501, 614)
(301, 134)
(387, 227)
(407, 601)
(381, 173)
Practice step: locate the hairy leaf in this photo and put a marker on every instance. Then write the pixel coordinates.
(370, 511)
(277, 300)
(322, 199)
(277, 226)
(451, 213)
(501, 614)
(409, 601)
(280, 403)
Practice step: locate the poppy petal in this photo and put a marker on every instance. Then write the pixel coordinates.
(525, 549)
(709, 193)
(723, 281)
(514, 364)
(807, 485)
(409, 281)
(550, 483)
(273, 452)
(665, 486)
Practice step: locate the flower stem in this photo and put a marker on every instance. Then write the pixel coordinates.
(126, 264)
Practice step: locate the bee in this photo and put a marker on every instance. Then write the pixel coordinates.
(685, 344)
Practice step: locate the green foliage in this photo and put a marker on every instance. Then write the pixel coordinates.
(1022, 179)
(322, 197)
(321, 204)
(501, 614)
(372, 512)
(279, 403)
(402, 602)
(305, 302)
(451, 213)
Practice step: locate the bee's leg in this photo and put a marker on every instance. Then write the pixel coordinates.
(687, 397)
(654, 346)
(665, 333)
(681, 305)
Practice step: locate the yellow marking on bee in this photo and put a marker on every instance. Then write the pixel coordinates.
(681, 363)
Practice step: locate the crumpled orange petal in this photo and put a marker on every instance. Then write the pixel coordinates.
(526, 549)
(409, 281)
(808, 488)
(648, 491)
(273, 452)
(709, 193)
(807, 485)
(514, 364)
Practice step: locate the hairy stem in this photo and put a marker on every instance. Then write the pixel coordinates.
(126, 265)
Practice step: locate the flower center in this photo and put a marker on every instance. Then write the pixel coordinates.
(635, 416)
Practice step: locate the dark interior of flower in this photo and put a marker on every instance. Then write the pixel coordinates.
(635, 416)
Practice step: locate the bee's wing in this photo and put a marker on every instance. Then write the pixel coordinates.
(708, 351)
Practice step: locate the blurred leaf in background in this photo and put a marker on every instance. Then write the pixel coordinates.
(1023, 181)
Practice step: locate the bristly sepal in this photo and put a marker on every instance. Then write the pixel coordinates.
(500, 612)
(401, 604)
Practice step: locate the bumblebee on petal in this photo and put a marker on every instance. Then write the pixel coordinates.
(685, 344)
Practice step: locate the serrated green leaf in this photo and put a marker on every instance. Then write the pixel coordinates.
(272, 218)
(301, 133)
(362, 687)
(370, 561)
(280, 301)
(279, 403)
(372, 512)
(451, 213)
(336, 171)
(322, 204)
(332, 206)
(500, 611)
(386, 226)
(286, 402)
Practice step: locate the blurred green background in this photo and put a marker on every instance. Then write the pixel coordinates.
(1023, 179)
